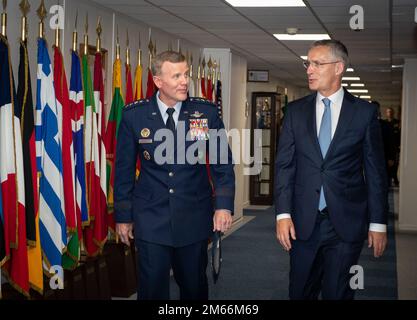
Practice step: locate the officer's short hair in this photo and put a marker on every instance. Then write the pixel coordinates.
(170, 56)
(337, 48)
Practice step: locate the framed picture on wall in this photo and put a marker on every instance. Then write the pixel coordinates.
(258, 76)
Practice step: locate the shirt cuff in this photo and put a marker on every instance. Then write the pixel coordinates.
(283, 216)
(377, 227)
(227, 210)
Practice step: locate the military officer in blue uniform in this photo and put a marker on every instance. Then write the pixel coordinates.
(173, 207)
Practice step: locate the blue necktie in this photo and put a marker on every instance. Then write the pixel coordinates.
(325, 137)
(170, 122)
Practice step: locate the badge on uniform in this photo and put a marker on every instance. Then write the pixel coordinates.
(199, 129)
(197, 114)
(145, 133)
(146, 155)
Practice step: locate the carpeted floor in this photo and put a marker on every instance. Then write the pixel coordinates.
(256, 268)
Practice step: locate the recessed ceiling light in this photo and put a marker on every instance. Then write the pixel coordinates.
(350, 70)
(345, 85)
(351, 78)
(304, 57)
(365, 97)
(358, 90)
(397, 66)
(357, 84)
(301, 37)
(266, 3)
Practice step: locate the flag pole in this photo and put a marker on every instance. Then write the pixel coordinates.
(24, 7)
(98, 30)
(139, 53)
(4, 20)
(127, 48)
(75, 34)
(42, 13)
(86, 35)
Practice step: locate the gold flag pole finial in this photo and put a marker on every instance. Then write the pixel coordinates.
(4, 19)
(219, 74)
(214, 73)
(209, 65)
(199, 69)
(86, 35)
(191, 66)
(75, 34)
(117, 43)
(139, 53)
(42, 13)
(150, 47)
(24, 7)
(127, 48)
(203, 64)
(57, 34)
(98, 30)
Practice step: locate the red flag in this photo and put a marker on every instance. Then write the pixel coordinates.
(68, 166)
(151, 85)
(16, 268)
(209, 90)
(203, 88)
(129, 89)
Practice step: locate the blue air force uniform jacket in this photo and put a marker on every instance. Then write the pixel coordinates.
(171, 203)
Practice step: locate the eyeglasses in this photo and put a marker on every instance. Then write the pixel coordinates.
(316, 64)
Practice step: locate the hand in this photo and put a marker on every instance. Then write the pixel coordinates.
(379, 241)
(222, 220)
(125, 232)
(285, 228)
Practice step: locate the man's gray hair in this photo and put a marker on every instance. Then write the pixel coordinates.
(337, 48)
(170, 56)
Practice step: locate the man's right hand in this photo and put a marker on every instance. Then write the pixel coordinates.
(125, 232)
(285, 228)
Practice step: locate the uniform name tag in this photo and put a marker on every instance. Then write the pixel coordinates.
(199, 129)
(144, 141)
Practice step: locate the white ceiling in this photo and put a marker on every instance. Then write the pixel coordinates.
(389, 35)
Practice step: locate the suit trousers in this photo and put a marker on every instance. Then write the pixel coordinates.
(322, 264)
(188, 263)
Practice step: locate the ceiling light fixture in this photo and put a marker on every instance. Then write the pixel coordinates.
(357, 84)
(358, 90)
(301, 37)
(365, 97)
(351, 79)
(266, 3)
(350, 70)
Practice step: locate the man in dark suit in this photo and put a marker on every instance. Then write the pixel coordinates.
(331, 185)
(171, 205)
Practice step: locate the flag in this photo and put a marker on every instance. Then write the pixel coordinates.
(70, 258)
(150, 85)
(115, 117)
(138, 83)
(209, 90)
(16, 268)
(219, 102)
(203, 88)
(129, 89)
(7, 158)
(100, 225)
(77, 116)
(25, 103)
(92, 159)
(2, 242)
(52, 224)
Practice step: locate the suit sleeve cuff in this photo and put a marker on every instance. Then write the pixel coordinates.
(377, 227)
(283, 216)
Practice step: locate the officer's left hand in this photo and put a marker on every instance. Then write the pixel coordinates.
(222, 220)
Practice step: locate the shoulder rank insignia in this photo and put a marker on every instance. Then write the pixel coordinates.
(197, 114)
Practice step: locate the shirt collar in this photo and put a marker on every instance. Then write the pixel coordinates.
(336, 98)
(163, 107)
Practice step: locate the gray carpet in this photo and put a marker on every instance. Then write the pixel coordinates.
(256, 268)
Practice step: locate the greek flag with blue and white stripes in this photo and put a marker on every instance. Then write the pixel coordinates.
(49, 164)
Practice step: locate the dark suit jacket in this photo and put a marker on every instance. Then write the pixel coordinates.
(352, 173)
(170, 204)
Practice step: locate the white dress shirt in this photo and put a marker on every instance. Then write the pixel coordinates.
(336, 100)
(163, 110)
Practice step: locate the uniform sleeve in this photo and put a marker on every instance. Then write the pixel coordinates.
(221, 167)
(125, 168)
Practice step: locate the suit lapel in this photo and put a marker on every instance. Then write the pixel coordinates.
(312, 125)
(346, 114)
